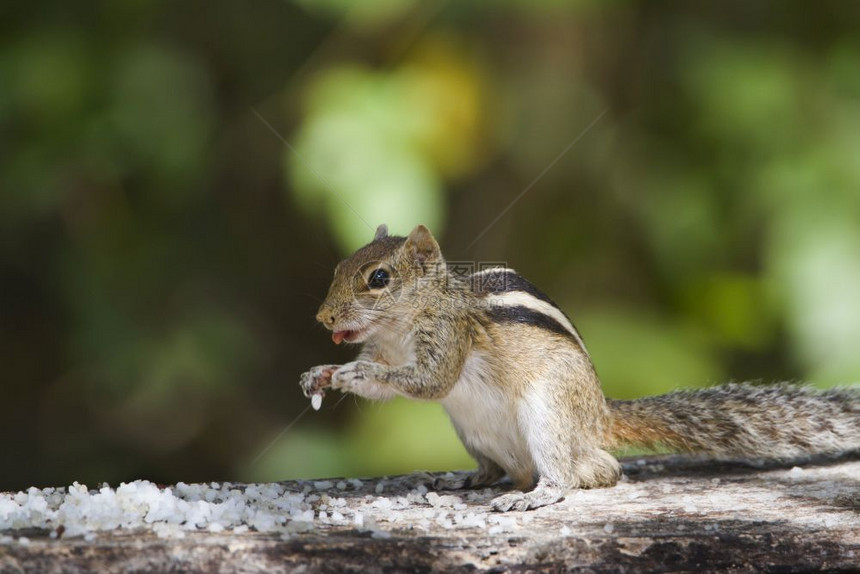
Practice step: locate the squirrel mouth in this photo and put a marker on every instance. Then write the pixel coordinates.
(349, 336)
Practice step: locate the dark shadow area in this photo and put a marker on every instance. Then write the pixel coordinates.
(662, 465)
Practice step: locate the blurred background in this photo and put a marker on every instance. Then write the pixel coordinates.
(178, 180)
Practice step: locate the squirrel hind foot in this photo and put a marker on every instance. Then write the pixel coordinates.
(599, 469)
(455, 483)
(542, 495)
(481, 478)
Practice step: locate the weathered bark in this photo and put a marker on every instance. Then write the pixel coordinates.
(671, 514)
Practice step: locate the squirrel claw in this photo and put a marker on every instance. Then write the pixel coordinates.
(318, 378)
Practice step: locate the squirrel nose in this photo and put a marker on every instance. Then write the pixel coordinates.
(326, 317)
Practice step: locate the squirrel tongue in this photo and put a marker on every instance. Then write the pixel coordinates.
(338, 336)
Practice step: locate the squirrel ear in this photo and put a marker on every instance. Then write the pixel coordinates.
(422, 244)
(381, 232)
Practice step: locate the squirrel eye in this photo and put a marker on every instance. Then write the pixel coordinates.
(378, 279)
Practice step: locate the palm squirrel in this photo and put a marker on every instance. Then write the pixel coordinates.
(515, 378)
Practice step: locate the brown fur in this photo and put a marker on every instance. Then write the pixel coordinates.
(743, 420)
(520, 388)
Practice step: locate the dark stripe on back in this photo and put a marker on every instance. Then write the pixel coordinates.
(505, 280)
(526, 316)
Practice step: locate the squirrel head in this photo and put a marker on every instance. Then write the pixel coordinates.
(374, 287)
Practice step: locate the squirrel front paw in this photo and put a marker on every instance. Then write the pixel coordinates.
(318, 378)
(351, 376)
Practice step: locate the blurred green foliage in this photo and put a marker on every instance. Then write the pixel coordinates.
(162, 252)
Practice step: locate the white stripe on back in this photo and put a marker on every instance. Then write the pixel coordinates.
(523, 299)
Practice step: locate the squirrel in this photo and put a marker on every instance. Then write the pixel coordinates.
(516, 380)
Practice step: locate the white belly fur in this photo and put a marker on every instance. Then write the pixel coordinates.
(486, 419)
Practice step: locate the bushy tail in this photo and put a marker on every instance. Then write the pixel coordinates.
(742, 420)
